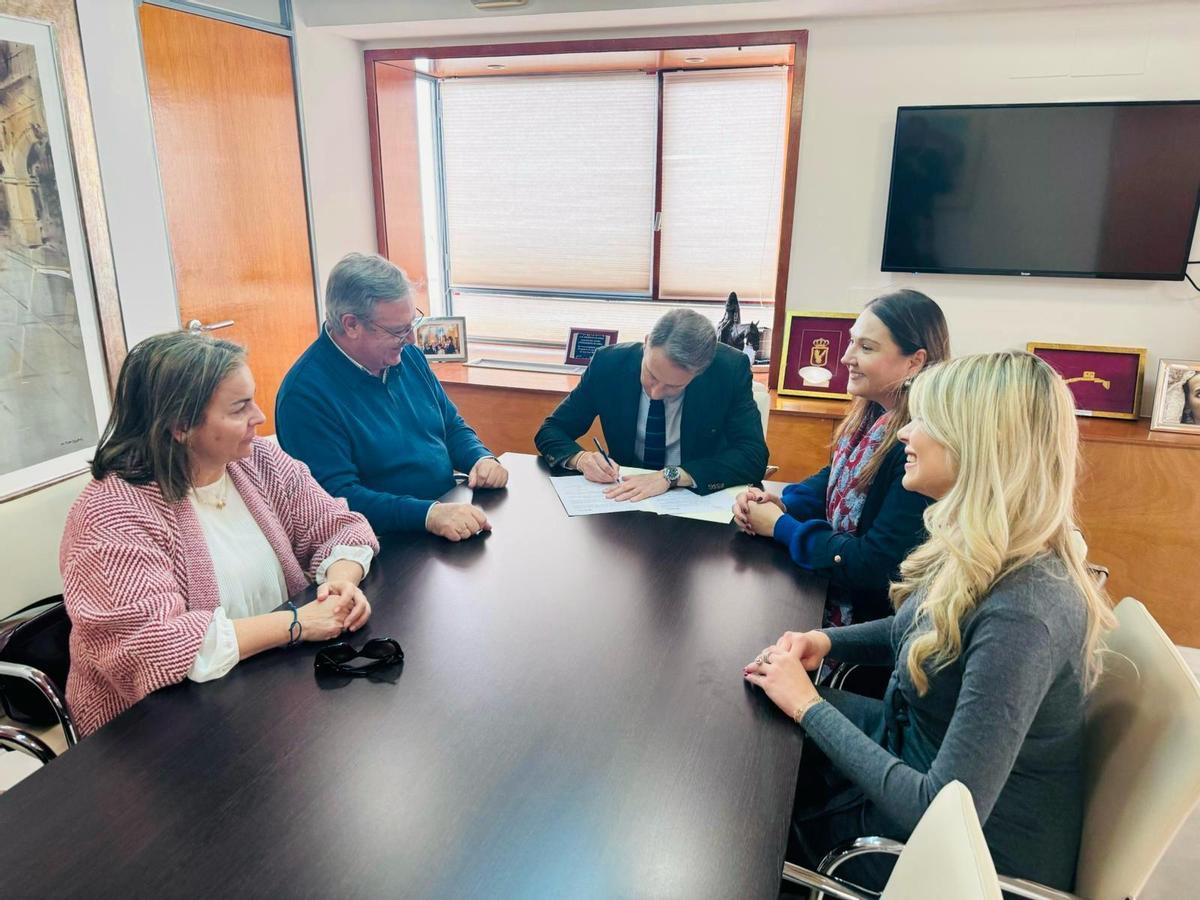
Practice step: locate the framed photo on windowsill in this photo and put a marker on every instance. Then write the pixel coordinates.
(1177, 397)
(582, 344)
(1106, 382)
(813, 345)
(442, 338)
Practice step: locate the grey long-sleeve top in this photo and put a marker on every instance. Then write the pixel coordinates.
(1006, 719)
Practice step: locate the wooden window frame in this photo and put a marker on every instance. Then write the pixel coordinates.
(796, 73)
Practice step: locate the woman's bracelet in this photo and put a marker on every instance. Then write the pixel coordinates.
(803, 708)
(295, 630)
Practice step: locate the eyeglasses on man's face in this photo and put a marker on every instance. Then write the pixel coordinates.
(404, 332)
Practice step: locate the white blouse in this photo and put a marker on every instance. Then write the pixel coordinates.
(249, 577)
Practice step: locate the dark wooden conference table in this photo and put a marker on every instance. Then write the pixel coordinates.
(570, 721)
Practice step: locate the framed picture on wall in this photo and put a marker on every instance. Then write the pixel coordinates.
(813, 345)
(442, 338)
(1177, 397)
(60, 334)
(582, 344)
(1106, 382)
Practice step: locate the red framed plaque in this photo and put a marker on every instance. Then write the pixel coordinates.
(1105, 381)
(813, 345)
(582, 344)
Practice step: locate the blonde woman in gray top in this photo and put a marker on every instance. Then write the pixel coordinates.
(994, 643)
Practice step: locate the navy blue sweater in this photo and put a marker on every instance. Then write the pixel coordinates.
(389, 446)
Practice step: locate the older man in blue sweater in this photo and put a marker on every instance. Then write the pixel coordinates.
(363, 409)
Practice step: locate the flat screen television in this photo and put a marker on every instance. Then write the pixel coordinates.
(1089, 190)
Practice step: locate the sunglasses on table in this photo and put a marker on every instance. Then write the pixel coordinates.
(342, 659)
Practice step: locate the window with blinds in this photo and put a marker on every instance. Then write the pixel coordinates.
(724, 137)
(549, 181)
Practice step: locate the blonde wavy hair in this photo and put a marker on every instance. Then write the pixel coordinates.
(1008, 423)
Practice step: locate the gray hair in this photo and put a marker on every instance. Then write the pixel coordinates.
(689, 339)
(357, 283)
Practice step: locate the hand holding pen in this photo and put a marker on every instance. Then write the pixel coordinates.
(598, 466)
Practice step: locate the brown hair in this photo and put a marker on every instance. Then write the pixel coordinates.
(915, 323)
(165, 384)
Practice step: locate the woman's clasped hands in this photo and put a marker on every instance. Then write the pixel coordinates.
(340, 606)
(781, 670)
(755, 511)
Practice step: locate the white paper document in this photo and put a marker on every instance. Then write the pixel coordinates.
(581, 497)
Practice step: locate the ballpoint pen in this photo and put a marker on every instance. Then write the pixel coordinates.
(600, 449)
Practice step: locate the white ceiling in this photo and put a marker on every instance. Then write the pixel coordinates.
(368, 20)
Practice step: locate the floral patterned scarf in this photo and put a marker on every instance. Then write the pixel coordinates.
(846, 494)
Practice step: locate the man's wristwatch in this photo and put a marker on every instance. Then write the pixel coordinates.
(671, 473)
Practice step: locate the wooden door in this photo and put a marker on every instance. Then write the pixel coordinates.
(224, 108)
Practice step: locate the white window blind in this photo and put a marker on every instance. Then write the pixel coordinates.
(496, 317)
(549, 181)
(724, 135)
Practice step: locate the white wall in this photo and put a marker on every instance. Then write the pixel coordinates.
(860, 70)
(112, 53)
(32, 526)
(333, 97)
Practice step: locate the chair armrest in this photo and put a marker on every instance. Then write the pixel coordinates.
(1017, 887)
(50, 691)
(1031, 890)
(857, 847)
(829, 887)
(839, 675)
(16, 739)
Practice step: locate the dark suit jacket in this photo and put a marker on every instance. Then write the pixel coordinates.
(721, 437)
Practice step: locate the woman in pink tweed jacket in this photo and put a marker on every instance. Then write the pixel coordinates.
(186, 519)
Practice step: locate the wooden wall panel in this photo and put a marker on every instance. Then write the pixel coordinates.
(224, 108)
(399, 218)
(799, 445)
(1139, 507)
(507, 420)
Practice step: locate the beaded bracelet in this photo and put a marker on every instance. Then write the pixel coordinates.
(295, 630)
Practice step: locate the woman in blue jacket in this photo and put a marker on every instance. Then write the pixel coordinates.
(853, 521)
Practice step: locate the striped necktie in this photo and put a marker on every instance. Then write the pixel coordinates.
(654, 452)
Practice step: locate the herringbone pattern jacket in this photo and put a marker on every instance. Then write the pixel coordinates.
(138, 579)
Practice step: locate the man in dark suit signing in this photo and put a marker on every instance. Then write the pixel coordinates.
(680, 403)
